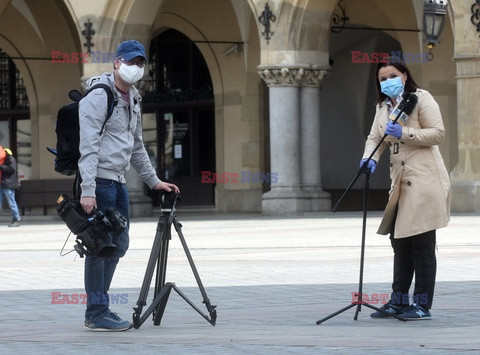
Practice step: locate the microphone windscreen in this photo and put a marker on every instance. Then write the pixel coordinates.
(410, 103)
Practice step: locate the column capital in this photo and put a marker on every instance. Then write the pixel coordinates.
(293, 76)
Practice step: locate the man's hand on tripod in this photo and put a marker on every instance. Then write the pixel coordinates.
(372, 164)
(166, 186)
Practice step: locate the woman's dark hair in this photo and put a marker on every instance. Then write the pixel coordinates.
(410, 84)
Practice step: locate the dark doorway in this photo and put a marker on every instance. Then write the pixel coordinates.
(15, 131)
(180, 94)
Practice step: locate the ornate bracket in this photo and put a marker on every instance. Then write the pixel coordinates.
(338, 20)
(476, 14)
(265, 18)
(88, 32)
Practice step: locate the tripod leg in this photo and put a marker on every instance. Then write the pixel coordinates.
(157, 244)
(160, 309)
(336, 313)
(161, 275)
(213, 315)
(162, 263)
(210, 307)
(138, 321)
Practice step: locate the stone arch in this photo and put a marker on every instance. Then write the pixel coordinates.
(181, 24)
(125, 19)
(46, 82)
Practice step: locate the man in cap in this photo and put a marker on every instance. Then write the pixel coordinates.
(103, 163)
(8, 183)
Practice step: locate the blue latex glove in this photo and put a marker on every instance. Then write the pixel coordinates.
(394, 129)
(372, 164)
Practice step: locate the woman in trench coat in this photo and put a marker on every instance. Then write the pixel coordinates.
(419, 197)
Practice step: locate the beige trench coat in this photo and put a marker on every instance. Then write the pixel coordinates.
(419, 197)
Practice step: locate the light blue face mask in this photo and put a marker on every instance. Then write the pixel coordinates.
(392, 87)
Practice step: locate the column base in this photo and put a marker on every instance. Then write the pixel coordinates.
(288, 200)
(140, 205)
(320, 201)
(465, 196)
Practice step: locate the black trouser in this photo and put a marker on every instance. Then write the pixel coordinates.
(415, 254)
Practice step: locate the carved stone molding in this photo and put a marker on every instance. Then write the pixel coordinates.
(293, 76)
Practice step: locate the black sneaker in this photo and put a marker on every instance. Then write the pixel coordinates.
(15, 223)
(416, 312)
(390, 309)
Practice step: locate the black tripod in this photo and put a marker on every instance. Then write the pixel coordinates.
(158, 256)
(401, 113)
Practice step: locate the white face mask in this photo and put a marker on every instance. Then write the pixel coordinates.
(130, 73)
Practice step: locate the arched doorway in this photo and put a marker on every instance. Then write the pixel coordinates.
(15, 131)
(180, 116)
(353, 83)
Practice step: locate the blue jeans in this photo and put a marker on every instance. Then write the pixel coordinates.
(10, 196)
(99, 271)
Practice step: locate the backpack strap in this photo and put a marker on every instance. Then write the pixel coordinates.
(77, 190)
(111, 101)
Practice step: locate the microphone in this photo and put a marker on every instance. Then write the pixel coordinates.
(404, 109)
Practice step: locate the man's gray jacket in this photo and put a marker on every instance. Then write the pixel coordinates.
(109, 155)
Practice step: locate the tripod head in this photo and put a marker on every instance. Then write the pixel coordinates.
(169, 201)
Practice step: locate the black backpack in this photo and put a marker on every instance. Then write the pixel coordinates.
(68, 130)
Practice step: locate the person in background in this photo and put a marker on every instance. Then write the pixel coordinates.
(8, 183)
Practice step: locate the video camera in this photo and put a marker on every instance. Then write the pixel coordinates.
(91, 231)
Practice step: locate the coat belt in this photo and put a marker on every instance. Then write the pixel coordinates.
(397, 147)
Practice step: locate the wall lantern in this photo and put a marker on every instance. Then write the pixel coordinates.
(434, 16)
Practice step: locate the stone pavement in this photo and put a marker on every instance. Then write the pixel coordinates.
(271, 279)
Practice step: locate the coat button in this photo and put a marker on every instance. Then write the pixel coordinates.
(403, 163)
(411, 135)
(391, 164)
(409, 183)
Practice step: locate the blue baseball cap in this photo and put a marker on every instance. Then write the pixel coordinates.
(131, 49)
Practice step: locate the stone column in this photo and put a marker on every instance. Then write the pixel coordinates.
(291, 114)
(311, 177)
(285, 195)
(465, 177)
